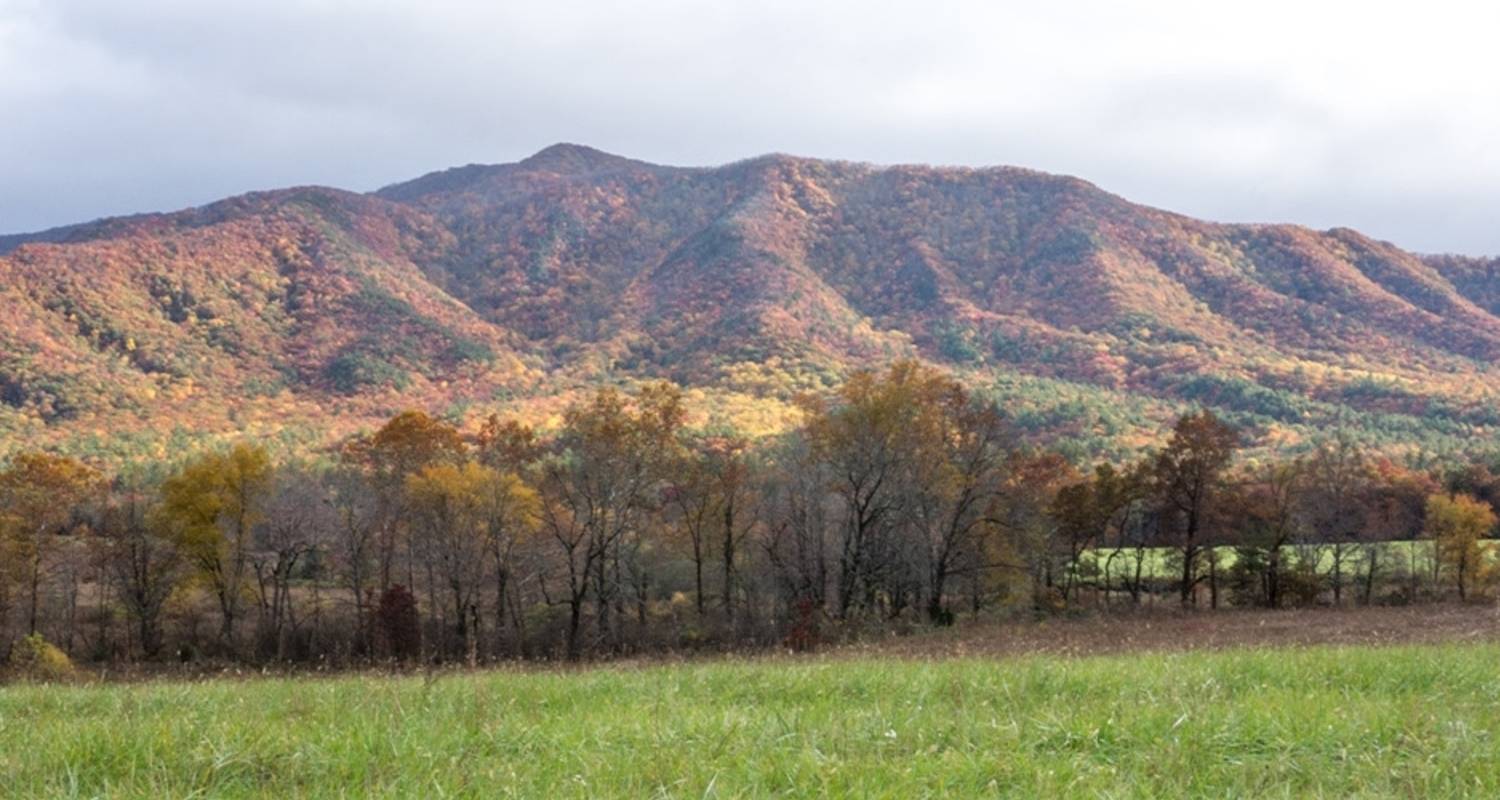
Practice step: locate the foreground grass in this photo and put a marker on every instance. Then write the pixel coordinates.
(1335, 722)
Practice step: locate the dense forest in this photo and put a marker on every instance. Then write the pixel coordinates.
(301, 316)
(899, 499)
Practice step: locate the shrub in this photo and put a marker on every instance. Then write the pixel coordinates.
(1246, 577)
(396, 621)
(804, 635)
(1301, 584)
(38, 659)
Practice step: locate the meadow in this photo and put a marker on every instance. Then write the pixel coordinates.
(1165, 562)
(1330, 721)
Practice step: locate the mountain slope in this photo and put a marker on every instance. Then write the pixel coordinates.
(506, 287)
(264, 300)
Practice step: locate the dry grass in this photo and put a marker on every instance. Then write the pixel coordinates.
(1163, 630)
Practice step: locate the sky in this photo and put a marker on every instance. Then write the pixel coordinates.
(1384, 118)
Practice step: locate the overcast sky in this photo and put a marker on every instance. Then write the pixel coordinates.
(1385, 119)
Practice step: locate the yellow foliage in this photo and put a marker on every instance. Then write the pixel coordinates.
(38, 494)
(213, 488)
(38, 659)
(472, 499)
(1456, 524)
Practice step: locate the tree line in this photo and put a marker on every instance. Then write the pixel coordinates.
(903, 498)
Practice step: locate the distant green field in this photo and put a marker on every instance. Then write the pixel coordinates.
(1329, 722)
(1157, 561)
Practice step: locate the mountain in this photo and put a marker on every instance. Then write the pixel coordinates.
(307, 313)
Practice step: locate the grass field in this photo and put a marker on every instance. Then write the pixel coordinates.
(1157, 562)
(1397, 721)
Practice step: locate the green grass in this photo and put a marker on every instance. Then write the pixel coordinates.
(1332, 722)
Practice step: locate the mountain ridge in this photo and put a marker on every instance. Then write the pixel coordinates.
(56, 234)
(507, 287)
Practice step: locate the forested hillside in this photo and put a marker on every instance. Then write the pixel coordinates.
(307, 314)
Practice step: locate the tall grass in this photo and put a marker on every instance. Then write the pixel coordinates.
(1331, 722)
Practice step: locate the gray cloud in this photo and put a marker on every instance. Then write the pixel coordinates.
(1325, 114)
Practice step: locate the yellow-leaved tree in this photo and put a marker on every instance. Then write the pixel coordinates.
(913, 463)
(402, 447)
(468, 519)
(211, 507)
(40, 495)
(1456, 524)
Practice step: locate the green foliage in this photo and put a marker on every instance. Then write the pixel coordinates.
(356, 371)
(463, 349)
(1143, 326)
(1083, 421)
(1366, 389)
(1239, 394)
(383, 305)
(958, 343)
(1070, 245)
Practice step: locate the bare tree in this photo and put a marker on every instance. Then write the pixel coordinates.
(144, 561)
(797, 544)
(611, 458)
(1337, 479)
(298, 520)
(951, 484)
(356, 513)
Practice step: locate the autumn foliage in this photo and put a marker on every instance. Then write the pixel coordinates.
(306, 315)
(587, 405)
(900, 498)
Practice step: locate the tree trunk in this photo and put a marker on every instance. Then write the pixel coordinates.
(936, 614)
(1338, 574)
(1135, 581)
(1213, 578)
(471, 636)
(35, 583)
(1273, 578)
(1188, 554)
(729, 562)
(501, 577)
(698, 574)
(575, 619)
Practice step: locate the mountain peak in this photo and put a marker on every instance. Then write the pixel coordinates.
(574, 158)
(559, 159)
